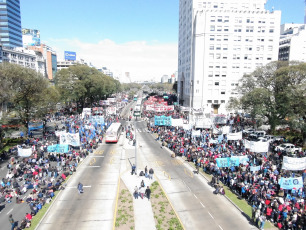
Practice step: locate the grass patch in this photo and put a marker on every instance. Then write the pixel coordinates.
(242, 204)
(125, 210)
(36, 219)
(164, 215)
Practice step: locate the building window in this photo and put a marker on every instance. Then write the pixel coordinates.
(222, 101)
(216, 83)
(222, 92)
(212, 28)
(209, 101)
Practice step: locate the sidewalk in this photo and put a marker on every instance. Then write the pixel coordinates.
(143, 213)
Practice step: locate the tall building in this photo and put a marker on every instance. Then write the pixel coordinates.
(23, 57)
(292, 43)
(50, 57)
(219, 41)
(10, 23)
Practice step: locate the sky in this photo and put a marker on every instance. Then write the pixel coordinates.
(135, 36)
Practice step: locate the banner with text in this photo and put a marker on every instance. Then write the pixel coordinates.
(162, 120)
(234, 136)
(35, 125)
(291, 163)
(70, 139)
(257, 146)
(291, 183)
(24, 152)
(58, 148)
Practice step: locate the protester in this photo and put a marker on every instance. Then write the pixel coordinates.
(148, 192)
(256, 178)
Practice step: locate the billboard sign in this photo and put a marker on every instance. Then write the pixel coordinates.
(31, 37)
(70, 56)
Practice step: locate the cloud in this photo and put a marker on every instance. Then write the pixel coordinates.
(144, 61)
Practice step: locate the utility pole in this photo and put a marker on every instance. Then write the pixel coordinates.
(135, 148)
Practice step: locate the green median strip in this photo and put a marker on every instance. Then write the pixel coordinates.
(241, 204)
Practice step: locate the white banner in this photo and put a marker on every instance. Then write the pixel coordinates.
(177, 122)
(225, 129)
(291, 163)
(111, 110)
(24, 152)
(86, 111)
(257, 146)
(58, 133)
(70, 139)
(196, 133)
(234, 136)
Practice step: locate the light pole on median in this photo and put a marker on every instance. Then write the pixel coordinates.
(135, 148)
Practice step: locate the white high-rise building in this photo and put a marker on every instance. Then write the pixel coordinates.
(292, 43)
(219, 41)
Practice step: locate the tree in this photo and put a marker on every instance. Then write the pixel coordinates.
(275, 92)
(82, 84)
(27, 91)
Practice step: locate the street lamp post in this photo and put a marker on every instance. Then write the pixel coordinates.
(135, 148)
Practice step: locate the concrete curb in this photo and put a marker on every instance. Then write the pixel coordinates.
(171, 152)
(56, 197)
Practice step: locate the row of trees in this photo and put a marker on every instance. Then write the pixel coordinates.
(29, 95)
(276, 93)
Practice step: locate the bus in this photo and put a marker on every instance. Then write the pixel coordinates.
(137, 111)
(135, 97)
(113, 133)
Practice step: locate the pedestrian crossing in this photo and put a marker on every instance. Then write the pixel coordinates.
(144, 130)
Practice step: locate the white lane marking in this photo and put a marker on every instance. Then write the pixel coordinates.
(84, 186)
(220, 227)
(186, 185)
(94, 166)
(202, 205)
(195, 196)
(96, 156)
(211, 215)
(9, 212)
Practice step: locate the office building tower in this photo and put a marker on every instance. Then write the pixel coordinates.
(10, 23)
(219, 41)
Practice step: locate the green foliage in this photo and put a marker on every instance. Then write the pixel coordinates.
(28, 93)
(82, 84)
(275, 92)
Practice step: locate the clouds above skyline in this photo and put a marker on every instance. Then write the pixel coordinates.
(144, 61)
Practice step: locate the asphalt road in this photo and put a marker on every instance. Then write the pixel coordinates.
(191, 196)
(93, 209)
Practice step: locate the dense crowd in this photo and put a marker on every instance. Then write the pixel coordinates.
(38, 177)
(282, 207)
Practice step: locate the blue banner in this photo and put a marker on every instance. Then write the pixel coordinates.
(291, 183)
(222, 162)
(35, 126)
(162, 120)
(58, 148)
(254, 168)
(231, 161)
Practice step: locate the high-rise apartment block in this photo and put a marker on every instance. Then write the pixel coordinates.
(10, 23)
(292, 43)
(219, 41)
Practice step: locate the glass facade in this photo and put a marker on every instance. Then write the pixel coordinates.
(54, 64)
(10, 23)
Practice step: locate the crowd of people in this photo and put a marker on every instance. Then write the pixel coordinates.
(39, 176)
(285, 208)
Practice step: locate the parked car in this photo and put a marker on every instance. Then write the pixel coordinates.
(288, 148)
(260, 133)
(248, 131)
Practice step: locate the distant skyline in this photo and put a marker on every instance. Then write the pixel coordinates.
(138, 36)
